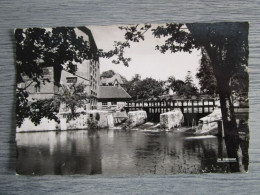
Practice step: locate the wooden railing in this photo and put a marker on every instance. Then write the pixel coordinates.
(187, 106)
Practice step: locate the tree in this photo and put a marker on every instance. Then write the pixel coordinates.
(174, 84)
(73, 97)
(60, 48)
(188, 91)
(35, 110)
(131, 86)
(108, 74)
(111, 73)
(148, 88)
(207, 80)
(227, 47)
(143, 89)
(188, 78)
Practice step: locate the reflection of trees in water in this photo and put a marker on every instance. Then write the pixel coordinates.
(237, 148)
(58, 153)
(164, 154)
(167, 154)
(149, 153)
(113, 152)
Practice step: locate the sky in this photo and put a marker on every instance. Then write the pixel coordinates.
(145, 60)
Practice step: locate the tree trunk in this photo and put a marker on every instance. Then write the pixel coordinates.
(227, 108)
(229, 122)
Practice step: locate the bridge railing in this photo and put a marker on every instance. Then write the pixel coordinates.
(187, 106)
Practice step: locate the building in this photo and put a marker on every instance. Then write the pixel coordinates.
(45, 90)
(112, 97)
(88, 74)
(115, 80)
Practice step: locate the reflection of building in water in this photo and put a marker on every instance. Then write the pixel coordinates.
(58, 153)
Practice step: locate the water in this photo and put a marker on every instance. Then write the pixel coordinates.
(124, 152)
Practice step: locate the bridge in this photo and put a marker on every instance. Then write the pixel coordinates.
(193, 109)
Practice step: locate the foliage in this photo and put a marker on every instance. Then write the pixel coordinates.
(207, 80)
(35, 110)
(188, 78)
(57, 47)
(132, 34)
(92, 124)
(22, 102)
(143, 89)
(108, 74)
(60, 48)
(174, 84)
(186, 89)
(208, 83)
(73, 97)
(43, 108)
(97, 117)
(111, 73)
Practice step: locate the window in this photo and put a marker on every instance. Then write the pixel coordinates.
(104, 103)
(71, 79)
(114, 103)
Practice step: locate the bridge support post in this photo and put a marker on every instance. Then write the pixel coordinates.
(221, 129)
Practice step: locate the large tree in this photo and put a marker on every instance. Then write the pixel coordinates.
(60, 48)
(227, 47)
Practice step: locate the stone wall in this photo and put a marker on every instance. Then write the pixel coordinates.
(86, 120)
(136, 118)
(89, 119)
(103, 118)
(45, 125)
(209, 124)
(171, 119)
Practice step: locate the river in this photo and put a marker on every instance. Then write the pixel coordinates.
(114, 152)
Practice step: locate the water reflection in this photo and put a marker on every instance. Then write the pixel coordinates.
(117, 152)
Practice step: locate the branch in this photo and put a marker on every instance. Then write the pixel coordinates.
(131, 35)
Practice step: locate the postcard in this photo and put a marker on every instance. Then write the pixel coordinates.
(137, 99)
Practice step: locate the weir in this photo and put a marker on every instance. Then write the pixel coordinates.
(192, 109)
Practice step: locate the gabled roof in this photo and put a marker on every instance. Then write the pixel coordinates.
(106, 81)
(113, 92)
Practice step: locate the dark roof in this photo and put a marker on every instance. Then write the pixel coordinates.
(113, 92)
